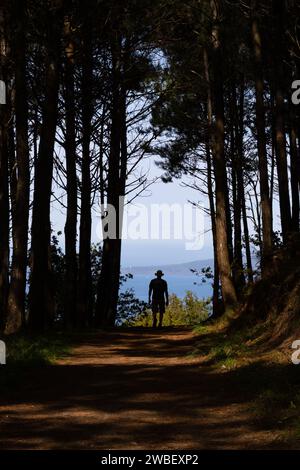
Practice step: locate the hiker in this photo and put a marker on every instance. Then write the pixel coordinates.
(158, 289)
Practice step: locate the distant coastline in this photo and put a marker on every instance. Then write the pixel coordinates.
(179, 276)
(178, 269)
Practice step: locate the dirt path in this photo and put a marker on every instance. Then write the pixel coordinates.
(131, 389)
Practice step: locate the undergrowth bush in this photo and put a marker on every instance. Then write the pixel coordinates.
(27, 350)
(188, 311)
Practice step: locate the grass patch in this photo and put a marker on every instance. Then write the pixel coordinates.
(265, 377)
(28, 351)
(228, 354)
(24, 352)
(224, 345)
(201, 330)
(221, 348)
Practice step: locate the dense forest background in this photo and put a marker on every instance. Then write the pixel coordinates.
(92, 89)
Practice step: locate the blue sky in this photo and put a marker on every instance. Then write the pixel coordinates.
(148, 252)
(152, 252)
(156, 252)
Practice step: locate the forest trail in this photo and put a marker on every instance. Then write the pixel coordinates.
(131, 389)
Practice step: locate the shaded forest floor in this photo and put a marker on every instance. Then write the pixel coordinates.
(145, 389)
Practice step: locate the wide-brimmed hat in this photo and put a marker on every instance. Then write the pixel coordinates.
(159, 273)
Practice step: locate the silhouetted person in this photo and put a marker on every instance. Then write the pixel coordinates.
(158, 297)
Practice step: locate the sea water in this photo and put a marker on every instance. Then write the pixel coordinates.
(178, 285)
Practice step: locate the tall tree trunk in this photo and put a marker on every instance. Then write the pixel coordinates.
(84, 312)
(227, 286)
(229, 224)
(4, 195)
(281, 157)
(261, 143)
(298, 128)
(109, 281)
(240, 176)
(217, 304)
(41, 294)
(70, 150)
(294, 163)
(237, 184)
(16, 299)
(273, 152)
(247, 239)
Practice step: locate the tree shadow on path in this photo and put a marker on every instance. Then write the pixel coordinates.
(136, 389)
